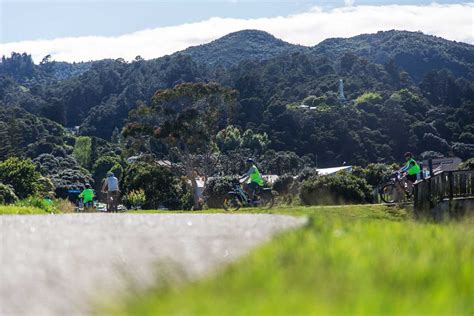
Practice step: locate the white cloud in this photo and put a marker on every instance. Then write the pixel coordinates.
(454, 22)
(349, 2)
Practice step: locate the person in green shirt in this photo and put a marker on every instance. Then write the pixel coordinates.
(253, 179)
(88, 196)
(412, 169)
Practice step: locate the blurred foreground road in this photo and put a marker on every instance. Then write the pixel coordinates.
(60, 264)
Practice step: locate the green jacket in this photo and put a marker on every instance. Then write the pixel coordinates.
(255, 175)
(412, 167)
(88, 195)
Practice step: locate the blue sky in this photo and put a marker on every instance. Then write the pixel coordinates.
(72, 30)
(30, 20)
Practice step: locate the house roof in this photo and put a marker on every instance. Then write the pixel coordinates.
(327, 171)
(443, 164)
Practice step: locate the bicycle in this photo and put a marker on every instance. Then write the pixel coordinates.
(85, 207)
(237, 198)
(395, 190)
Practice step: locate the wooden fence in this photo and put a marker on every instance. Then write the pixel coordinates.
(446, 185)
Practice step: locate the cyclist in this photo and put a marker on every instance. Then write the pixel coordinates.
(252, 179)
(111, 187)
(88, 196)
(412, 169)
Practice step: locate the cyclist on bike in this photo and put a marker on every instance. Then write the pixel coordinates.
(412, 169)
(252, 179)
(88, 196)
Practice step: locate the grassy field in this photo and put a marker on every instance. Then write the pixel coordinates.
(20, 210)
(347, 260)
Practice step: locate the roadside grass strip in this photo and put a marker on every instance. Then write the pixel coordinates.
(20, 210)
(355, 260)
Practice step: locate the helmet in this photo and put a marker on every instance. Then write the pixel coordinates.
(249, 160)
(88, 186)
(110, 174)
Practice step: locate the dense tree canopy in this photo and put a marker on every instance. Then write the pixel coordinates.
(405, 91)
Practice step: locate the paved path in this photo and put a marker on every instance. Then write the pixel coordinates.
(58, 264)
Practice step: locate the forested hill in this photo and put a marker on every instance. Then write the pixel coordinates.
(235, 47)
(22, 69)
(413, 52)
(405, 91)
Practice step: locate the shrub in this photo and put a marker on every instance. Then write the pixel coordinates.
(283, 184)
(21, 175)
(215, 191)
(64, 172)
(136, 198)
(306, 173)
(64, 205)
(375, 173)
(7, 194)
(467, 165)
(46, 187)
(37, 202)
(69, 178)
(341, 188)
(161, 187)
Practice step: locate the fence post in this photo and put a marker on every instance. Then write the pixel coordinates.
(430, 166)
(451, 184)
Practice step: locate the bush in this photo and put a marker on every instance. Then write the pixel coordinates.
(46, 187)
(64, 205)
(37, 202)
(136, 198)
(215, 191)
(375, 174)
(342, 188)
(283, 184)
(161, 187)
(64, 172)
(7, 194)
(70, 179)
(467, 165)
(21, 175)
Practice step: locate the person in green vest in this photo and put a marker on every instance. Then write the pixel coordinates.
(412, 169)
(252, 179)
(88, 196)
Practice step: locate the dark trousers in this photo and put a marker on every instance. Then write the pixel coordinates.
(113, 199)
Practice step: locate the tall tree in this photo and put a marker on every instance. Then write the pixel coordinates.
(185, 119)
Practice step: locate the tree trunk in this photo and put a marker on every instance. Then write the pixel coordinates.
(196, 205)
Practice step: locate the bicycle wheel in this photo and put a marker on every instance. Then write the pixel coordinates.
(232, 203)
(388, 193)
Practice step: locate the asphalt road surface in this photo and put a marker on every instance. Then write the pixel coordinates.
(61, 264)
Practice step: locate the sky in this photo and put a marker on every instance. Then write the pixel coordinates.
(72, 30)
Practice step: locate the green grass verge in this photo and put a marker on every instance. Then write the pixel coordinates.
(20, 210)
(347, 260)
